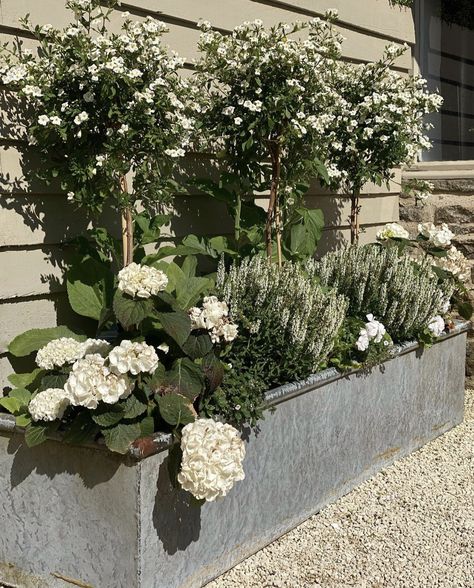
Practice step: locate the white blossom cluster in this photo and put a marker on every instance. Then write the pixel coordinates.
(105, 102)
(372, 331)
(439, 236)
(133, 358)
(49, 405)
(100, 373)
(213, 453)
(377, 121)
(67, 350)
(92, 381)
(214, 317)
(284, 303)
(456, 263)
(141, 281)
(436, 325)
(403, 294)
(256, 76)
(392, 231)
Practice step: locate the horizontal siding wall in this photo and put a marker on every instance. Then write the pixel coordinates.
(35, 220)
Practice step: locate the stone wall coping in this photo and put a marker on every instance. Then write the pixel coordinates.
(440, 170)
(159, 442)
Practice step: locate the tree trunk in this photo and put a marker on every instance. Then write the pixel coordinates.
(355, 209)
(273, 214)
(127, 228)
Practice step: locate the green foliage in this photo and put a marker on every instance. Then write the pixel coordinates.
(130, 312)
(119, 437)
(34, 339)
(90, 287)
(176, 409)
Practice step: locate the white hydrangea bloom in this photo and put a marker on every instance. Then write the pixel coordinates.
(214, 317)
(392, 231)
(49, 405)
(375, 329)
(59, 352)
(456, 263)
(91, 381)
(439, 236)
(212, 459)
(142, 281)
(92, 346)
(436, 325)
(135, 358)
(372, 331)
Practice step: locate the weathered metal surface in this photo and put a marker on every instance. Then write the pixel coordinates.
(84, 514)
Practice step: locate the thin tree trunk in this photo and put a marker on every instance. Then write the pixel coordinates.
(273, 214)
(127, 228)
(354, 219)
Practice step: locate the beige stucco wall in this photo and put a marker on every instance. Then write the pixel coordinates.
(34, 221)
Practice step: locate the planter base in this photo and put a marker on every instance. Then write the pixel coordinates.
(93, 517)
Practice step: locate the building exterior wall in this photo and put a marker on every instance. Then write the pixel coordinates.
(35, 220)
(452, 202)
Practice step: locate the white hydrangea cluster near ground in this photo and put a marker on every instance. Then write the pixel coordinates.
(436, 325)
(373, 331)
(134, 358)
(91, 381)
(67, 350)
(49, 405)
(392, 231)
(213, 453)
(214, 317)
(141, 281)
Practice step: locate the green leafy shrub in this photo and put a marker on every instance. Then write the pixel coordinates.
(401, 293)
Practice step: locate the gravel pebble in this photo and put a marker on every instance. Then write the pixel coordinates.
(410, 526)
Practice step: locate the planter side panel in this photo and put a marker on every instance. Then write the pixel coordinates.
(68, 511)
(313, 449)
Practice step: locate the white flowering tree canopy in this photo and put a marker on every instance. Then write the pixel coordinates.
(103, 104)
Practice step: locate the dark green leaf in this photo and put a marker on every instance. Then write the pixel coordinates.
(108, 415)
(134, 406)
(81, 430)
(176, 324)
(176, 409)
(198, 344)
(213, 371)
(90, 287)
(120, 437)
(147, 426)
(53, 381)
(130, 311)
(186, 377)
(190, 291)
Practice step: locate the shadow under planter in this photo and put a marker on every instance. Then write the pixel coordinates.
(82, 514)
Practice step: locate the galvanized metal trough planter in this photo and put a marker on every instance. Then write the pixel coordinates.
(86, 517)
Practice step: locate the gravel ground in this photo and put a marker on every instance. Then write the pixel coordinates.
(410, 526)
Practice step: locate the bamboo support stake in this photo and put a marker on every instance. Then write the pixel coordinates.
(273, 214)
(354, 219)
(127, 228)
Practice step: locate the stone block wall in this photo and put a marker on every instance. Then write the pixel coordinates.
(452, 202)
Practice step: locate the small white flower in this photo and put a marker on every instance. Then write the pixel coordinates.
(123, 129)
(81, 117)
(56, 121)
(375, 329)
(43, 120)
(237, 121)
(49, 405)
(228, 111)
(135, 73)
(32, 91)
(70, 195)
(212, 459)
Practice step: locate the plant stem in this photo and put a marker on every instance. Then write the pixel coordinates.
(273, 214)
(127, 228)
(355, 210)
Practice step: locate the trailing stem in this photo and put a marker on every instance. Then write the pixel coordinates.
(273, 214)
(355, 210)
(127, 227)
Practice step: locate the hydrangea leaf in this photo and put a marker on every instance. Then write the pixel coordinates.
(176, 409)
(108, 415)
(34, 339)
(120, 437)
(25, 380)
(130, 312)
(36, 433)
(89, 287)
(186, 377)
(176, 324)
(22, 395)
(53, 381)
(13, 405)
(81, 430)
(190, 291)
(197, 345)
